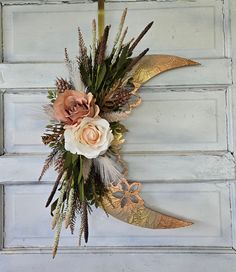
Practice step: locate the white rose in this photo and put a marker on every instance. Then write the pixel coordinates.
(90, 138)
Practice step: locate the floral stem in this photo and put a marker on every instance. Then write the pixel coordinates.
(58, 233)
(58, 212)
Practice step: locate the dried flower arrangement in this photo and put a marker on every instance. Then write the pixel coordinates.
(86, 134)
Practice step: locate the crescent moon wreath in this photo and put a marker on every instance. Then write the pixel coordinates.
(86, 135)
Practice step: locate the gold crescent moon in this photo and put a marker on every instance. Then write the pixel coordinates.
(153, 65)
(124, 203)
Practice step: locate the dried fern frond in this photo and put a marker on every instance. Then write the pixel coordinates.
(83, 49)
(53, 134)
(94, 32)
(48, 162)
(84, 222)
(75, 210)
(103, 45)
(59, 162)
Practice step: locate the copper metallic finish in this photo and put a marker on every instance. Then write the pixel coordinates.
(136, 213)
(153, 65)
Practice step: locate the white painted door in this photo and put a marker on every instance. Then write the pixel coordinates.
(185, 157)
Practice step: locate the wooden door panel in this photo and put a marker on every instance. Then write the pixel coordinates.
(120, 260)
(27, 221)
(211, 72)
(181, 120)
(185, 161)
(146, 167)
(191, 29)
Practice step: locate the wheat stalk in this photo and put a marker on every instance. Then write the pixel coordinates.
(69, 210)
(122, 21)
(120, 43)
(94, 32)
(57, 234)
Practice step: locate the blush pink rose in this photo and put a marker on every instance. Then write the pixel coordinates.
(72, 106)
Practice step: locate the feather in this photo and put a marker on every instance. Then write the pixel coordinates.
(74, 73)
(49, 111)
(87, 164)
(108, 170)
(42, 113)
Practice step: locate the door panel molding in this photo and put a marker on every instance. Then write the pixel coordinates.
(209, 211)
(232, 7)
(189, 167)
(203, 111)
(212, 72)
(1, 216)
(138, 260)
(196, 36)
(147, 167)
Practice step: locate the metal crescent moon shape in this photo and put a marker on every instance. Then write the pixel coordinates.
(153, 65)
(124, 203)
(123, 200)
